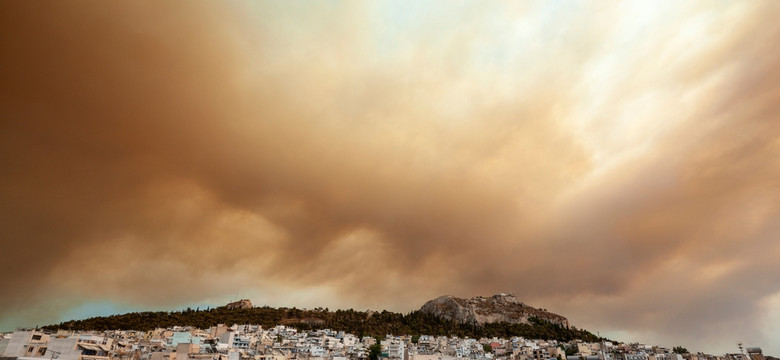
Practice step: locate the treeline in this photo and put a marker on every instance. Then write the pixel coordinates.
(351, 321)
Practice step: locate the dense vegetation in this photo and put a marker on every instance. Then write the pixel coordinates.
(356, 322)
(680, 350)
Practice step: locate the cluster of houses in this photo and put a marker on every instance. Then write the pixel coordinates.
(252, 342)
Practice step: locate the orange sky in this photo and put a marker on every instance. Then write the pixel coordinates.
(615, 164)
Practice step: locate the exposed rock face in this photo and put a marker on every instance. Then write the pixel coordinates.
(480, 310)
(240, 304)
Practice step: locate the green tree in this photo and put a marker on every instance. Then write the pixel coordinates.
(487, 348)
(374, 351)
(679, 350)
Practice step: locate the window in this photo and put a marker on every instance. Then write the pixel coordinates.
(36, 337)
(41, 351)
(30, 349)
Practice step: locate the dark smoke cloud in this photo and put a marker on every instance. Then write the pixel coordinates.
(161, 154)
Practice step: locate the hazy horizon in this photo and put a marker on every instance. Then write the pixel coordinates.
(614, 163)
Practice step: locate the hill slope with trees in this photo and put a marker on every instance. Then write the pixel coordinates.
(357, 322)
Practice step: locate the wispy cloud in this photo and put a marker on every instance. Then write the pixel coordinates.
(616, 164)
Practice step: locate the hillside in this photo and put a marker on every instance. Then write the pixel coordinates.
(495, 309)
(357, 322)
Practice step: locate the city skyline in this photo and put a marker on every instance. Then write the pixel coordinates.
(615, 163)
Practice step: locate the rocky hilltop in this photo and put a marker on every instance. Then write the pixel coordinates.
(500, 315)
(495, 309)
